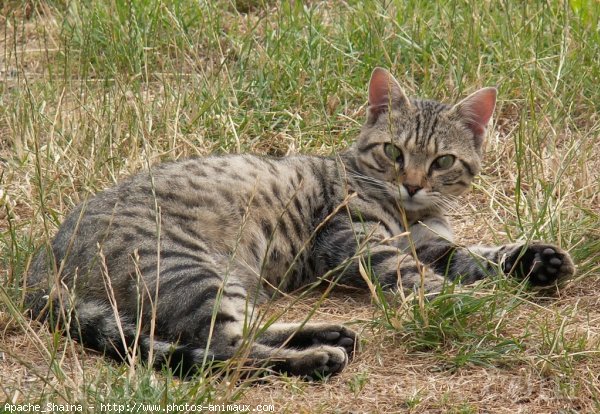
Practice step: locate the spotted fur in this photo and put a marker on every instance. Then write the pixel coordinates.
(194, 245)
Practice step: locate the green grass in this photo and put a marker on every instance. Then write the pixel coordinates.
(91, 93)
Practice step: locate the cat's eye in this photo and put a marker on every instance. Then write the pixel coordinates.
(444, 162)
(394, 153)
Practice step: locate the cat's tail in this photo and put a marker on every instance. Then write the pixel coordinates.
(94, 325)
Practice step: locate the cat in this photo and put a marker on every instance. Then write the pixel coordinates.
(194, 245)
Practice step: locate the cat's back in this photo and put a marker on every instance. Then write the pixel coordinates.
(226, 185)
(229, 188)
(212, 206)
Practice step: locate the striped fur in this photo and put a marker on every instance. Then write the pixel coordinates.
(195, 245)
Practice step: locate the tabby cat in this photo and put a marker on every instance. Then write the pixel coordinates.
(195, 244)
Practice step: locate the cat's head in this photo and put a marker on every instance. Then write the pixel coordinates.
(420, 152)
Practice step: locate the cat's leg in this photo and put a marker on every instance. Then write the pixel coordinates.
(348, 255)
(224, 318)
(541, 263)
(301, 336)
(395, 269)
(205, 323)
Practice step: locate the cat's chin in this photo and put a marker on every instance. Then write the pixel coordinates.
(415, 205)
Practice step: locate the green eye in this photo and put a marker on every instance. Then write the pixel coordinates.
(444, 162)
(394, 153)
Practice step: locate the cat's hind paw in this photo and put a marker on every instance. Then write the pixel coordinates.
(542, 264)
(317, 362)
(335, 335)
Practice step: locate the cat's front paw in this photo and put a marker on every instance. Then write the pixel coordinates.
(543, 264)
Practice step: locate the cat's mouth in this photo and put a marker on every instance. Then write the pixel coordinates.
(426, 200)
(416, 201)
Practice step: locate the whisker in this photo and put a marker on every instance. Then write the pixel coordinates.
(367, 180)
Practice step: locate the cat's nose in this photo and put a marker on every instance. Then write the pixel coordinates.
(411, 189)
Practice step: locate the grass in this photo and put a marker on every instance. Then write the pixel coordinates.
(90, 94)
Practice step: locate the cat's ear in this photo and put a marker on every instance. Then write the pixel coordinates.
(384, 91)
(475, 111)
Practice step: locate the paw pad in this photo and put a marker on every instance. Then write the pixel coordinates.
(542, 264)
